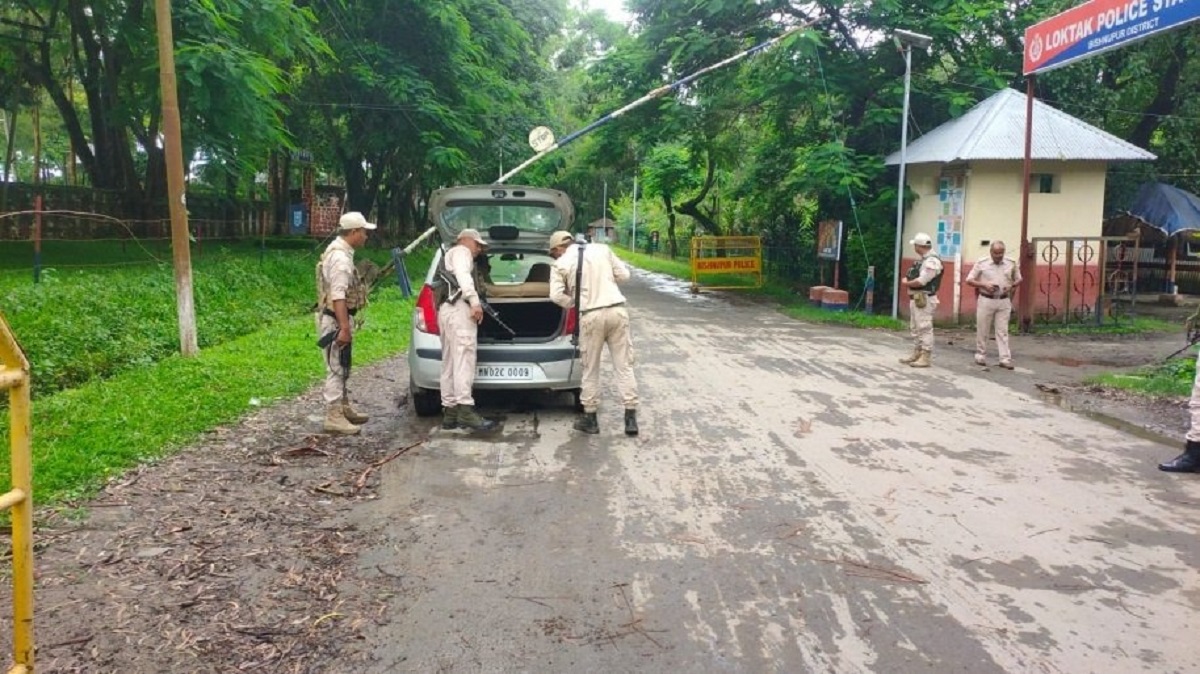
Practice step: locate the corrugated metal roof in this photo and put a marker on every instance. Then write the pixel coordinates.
(995, 129)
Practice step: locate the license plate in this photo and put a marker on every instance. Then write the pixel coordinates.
(519, 372)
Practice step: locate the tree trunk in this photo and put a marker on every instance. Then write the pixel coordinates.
(691, 207)
(11, 146)
(1163, 104)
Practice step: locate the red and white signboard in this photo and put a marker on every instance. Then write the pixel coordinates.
(1099, 26)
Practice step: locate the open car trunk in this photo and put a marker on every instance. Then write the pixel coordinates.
(530, 318)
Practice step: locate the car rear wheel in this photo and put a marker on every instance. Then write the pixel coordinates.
(576, 399)
(426, 402)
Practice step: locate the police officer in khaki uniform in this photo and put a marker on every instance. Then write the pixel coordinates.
(602, 320)
(340, 294)
(922, 282)
(459, 314)
(994, 279)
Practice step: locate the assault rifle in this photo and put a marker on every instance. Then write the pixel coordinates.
(1192, 334)
(455, 292)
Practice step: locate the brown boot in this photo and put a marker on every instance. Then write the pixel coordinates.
(352, 415)
(923, 359)
(336, 421)
(911, 359)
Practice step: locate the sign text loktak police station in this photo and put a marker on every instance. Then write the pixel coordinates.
(1098, 26)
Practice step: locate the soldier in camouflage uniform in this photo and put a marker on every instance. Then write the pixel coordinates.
(922, 282)
(341, 294)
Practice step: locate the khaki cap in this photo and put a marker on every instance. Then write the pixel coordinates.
(355, 220)
(561, 238)
(472, 234)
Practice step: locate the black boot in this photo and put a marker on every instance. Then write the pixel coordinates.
(587, 423)
(1188, 462)
(631, 422)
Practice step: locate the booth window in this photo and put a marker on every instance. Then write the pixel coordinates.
(1044, 183)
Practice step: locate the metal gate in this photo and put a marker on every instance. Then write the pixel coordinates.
(1078, 278)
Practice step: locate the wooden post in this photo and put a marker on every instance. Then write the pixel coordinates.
(37, 195)
(173, 149)
(1174, 253)
(37, 238)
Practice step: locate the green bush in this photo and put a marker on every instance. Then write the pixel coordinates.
(1170, 379)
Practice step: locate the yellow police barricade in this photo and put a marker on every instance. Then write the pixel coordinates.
(14, 377)
(730, 258)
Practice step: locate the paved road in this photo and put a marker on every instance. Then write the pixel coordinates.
(797, 502)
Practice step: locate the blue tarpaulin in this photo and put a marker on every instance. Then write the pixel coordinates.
(1166, 208)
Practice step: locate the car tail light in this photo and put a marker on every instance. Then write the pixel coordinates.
(569, 323)
(426, 315)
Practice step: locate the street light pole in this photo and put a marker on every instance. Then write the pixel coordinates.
(905, 40)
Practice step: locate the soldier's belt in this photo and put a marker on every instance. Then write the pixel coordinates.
(330, 313)
(606, 306)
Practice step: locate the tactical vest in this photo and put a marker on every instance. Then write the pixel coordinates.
(915, 270)
(356, 293)
(445, 285)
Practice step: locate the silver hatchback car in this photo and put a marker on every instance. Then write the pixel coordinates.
(517, 222)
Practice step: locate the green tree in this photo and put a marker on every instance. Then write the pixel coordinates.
(230, 60)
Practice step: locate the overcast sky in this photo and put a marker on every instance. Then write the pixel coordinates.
(614, 8)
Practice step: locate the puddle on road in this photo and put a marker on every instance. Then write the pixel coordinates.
(1059, 400)
(670, 285)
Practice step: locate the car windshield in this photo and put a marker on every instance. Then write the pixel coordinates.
(526, 216)
(507, 268)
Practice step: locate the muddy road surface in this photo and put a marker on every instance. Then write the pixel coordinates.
(797, 501)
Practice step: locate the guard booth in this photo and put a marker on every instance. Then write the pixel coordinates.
(731, 262)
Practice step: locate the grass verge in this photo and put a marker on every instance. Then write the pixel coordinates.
(84, 435)
(88, 323)
(1129, 325)
(1170, 379)
(790, 304)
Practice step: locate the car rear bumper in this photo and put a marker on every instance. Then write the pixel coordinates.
(540, 368)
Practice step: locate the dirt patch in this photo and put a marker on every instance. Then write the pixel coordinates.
(1055, 369)
(237, 555)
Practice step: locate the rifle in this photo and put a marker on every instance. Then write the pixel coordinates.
(578, 312)
(345, 355)
(456, 292)
(1192, 334)
(491, 311)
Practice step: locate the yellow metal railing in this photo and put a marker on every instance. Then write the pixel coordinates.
(14, 377)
